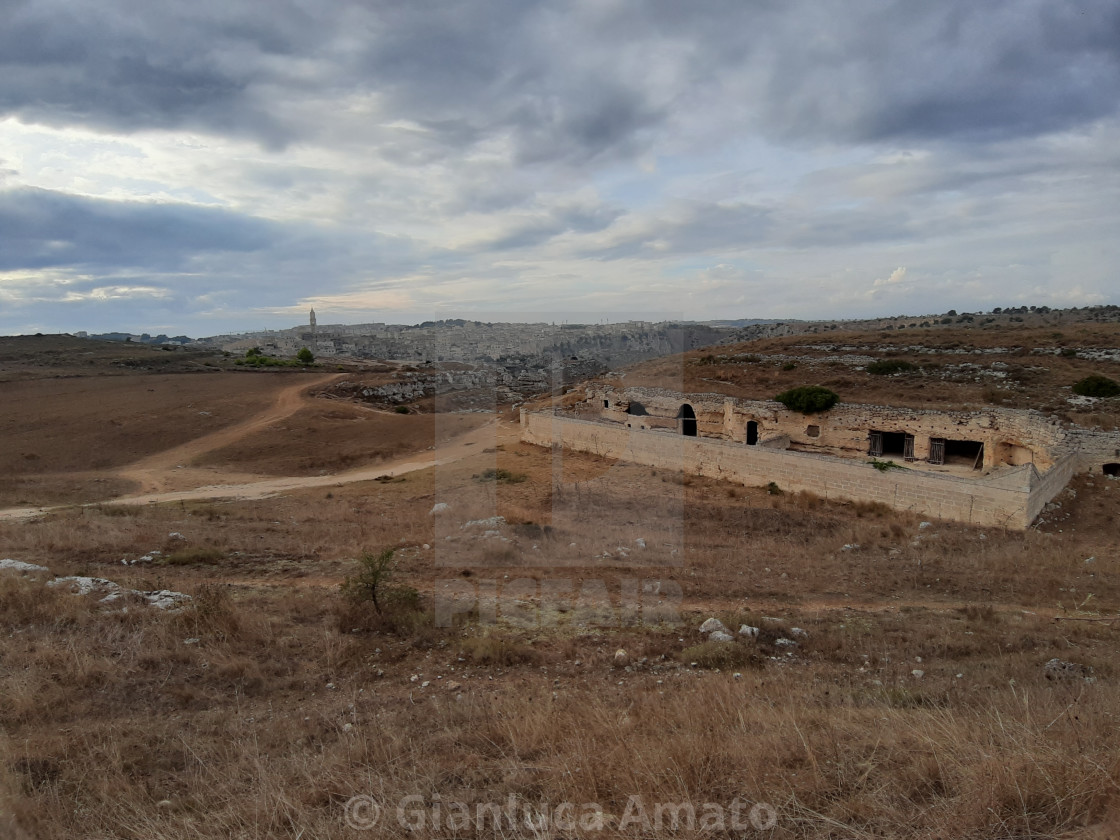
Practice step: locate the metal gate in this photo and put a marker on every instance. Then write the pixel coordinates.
(937, 450)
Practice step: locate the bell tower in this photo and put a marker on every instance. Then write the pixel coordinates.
(313, 322)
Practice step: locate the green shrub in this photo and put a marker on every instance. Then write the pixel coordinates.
(1097, 386)
(884, 466)
(401, 409)
(192, 556)
(808, 399)
(305, 356)
(498, 650)
(501, 476)
(789, 366)
(887, 367)
(373, 583)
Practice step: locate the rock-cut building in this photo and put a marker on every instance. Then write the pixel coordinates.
(995, 466)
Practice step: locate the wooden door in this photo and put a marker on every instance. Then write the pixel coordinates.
(937, 450)
(876, 447)
(908, 448)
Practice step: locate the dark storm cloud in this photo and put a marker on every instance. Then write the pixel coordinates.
(570, 83)
(948, 69)
(43, 229)
(123, 65)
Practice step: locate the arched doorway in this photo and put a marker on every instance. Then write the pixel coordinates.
(688, 420)
(752, 432)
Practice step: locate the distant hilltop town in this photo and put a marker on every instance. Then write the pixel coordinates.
(478, 341)
(611, 344)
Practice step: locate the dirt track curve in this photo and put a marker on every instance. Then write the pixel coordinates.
(154, 472)
(157, 474)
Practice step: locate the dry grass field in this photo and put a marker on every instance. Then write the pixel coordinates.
(895, 688)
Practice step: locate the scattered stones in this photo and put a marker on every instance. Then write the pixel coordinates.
(621, 658)
(161, 599)
(491, 523)
(439, 507)
(191, 641)
(175, 535)
(720, 636)
(453, 686)
(85, 585)
(748, 632)
(918, 673)
(713, 625)
(1058, 670)
(150, 557)
(20, 566)
(923, 525)
(783, 642)
(640, 543)
(798, 633)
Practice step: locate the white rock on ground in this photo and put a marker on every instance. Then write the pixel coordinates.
(161, 599)
(20, 566)
(85, 585)
(439, 507)
(713, 625)
(748, 631)
(1061, 671)
(621, 658)
(492, 522)
(720, 636)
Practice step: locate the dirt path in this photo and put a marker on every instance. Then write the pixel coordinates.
(157, 472)
(465, 445)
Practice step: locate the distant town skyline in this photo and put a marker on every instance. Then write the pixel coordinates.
(206, 168)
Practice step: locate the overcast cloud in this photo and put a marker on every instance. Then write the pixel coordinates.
(219, 166)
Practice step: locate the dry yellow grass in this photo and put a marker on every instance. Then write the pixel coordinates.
(115, 727)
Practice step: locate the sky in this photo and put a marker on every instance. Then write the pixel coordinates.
(212, 167)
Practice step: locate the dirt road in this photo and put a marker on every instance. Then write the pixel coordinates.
(166, 476)
(158, 471)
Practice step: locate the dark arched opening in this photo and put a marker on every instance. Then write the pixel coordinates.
(1112, 469)
(752, 432)
(637, 409)
(688, 420)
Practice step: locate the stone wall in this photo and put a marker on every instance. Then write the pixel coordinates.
(1012, 499)
(1095, 449)
(1010, 438)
